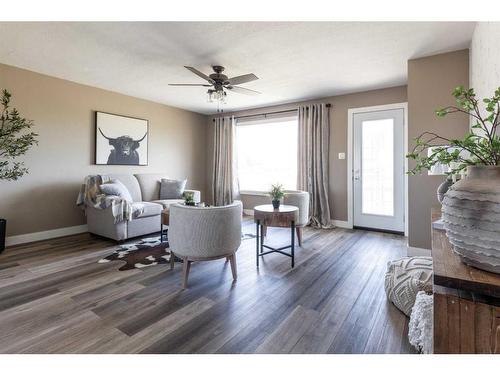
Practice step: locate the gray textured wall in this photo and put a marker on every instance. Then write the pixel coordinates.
(485, 59)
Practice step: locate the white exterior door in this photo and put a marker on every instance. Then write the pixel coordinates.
(378, 170)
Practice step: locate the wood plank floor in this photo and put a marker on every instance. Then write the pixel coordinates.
(56, 298)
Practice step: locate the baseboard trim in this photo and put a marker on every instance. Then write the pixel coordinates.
(417, 251)
(342, 224)
(45, 235)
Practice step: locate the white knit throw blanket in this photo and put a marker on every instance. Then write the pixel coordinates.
(90, 194)
(420, 326)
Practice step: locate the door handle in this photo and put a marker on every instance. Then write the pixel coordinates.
(357, 175)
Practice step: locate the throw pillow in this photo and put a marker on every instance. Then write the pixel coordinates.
(116, 187)
(172, 189)
(405, 278)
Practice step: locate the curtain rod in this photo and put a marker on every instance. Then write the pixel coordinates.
(328, 105)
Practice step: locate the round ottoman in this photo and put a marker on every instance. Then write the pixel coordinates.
(406, 277)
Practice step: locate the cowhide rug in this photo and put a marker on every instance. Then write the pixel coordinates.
(146, 252)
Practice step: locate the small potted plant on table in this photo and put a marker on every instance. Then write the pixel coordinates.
(189, 198)
(276, 193)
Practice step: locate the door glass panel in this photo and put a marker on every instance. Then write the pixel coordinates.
(377, 167)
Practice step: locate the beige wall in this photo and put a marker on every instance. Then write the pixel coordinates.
(63, 113)
(338, 139)
(181, 141)
(430, 83)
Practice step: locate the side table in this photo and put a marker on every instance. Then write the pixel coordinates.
(285, 217)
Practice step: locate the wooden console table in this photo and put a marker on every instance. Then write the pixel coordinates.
(466, 302)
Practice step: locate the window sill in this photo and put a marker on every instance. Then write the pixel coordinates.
(254, 193)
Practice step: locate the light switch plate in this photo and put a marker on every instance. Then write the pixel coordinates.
(341, 155)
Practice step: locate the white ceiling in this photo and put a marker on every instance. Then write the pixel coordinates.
(294, 60)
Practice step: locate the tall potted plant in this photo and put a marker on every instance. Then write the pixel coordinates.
(15, 140)
(471, 207)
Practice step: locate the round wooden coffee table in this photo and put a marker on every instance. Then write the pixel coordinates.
(267, 216)
(165, 219)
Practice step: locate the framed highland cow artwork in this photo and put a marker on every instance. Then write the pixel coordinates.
(120, 140)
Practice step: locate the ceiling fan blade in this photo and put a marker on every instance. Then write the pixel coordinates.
(242, 90)
(199, 74)
(243, 79)
(189, 84)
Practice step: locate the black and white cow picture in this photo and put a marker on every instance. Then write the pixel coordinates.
(124, 150)
(121, 140)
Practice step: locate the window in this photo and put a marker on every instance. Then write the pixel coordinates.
(377, 167)
(266, 152)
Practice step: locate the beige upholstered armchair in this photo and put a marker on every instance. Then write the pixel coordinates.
(204, 233)
(298, 199)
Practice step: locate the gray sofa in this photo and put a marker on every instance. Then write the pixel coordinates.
(144, 189)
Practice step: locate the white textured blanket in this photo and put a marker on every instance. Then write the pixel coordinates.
(90, 194)
(420, 326)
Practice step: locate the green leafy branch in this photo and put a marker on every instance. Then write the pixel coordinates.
(480, 146)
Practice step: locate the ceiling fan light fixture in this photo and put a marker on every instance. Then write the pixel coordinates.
(219, 82)
(210, 96)
(218, 96)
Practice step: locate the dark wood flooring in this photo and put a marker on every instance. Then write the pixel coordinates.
(56, 298)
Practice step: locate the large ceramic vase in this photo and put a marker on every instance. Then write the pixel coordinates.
(471, 215)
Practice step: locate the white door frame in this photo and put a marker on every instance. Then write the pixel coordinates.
(350, 155)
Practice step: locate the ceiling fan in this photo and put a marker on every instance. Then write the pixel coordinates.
(221, 82)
